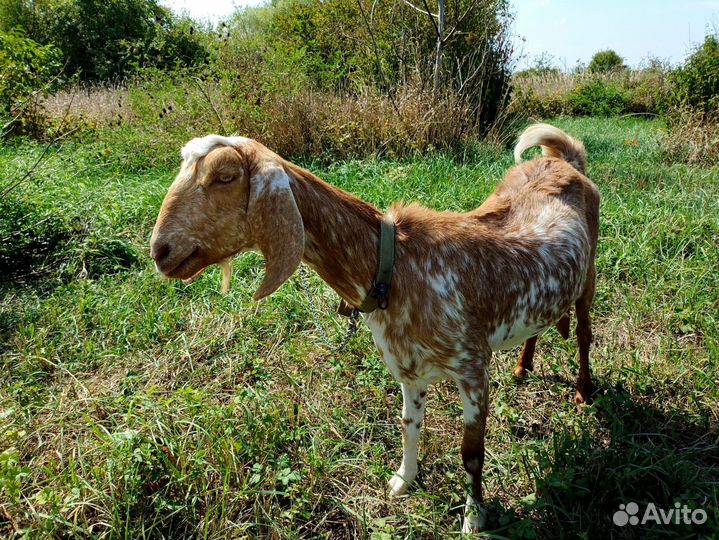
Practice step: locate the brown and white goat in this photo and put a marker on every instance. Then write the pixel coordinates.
(464, 284)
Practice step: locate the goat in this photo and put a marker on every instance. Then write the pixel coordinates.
(464, 285)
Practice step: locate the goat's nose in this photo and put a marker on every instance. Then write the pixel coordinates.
(160, 251)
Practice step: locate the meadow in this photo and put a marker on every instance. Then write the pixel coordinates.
(133, 407)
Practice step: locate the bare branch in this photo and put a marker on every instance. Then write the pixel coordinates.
(380, 71)
(198, 82)
(420, 9)
(431, 18)
(464, 15)
(45, 150)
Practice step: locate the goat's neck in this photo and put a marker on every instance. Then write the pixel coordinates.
(341, 235)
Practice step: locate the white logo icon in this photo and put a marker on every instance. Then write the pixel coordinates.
(680, 514)
(626, 514)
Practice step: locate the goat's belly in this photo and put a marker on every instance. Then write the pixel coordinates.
(506, 336)
(524, 324)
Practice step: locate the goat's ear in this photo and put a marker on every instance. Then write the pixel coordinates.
(276, 225)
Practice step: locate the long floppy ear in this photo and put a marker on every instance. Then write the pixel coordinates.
(276, 225)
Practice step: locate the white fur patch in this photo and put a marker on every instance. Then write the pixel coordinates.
(273, 180)
(201, 146)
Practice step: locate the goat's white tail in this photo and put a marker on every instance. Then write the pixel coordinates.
(554, 143)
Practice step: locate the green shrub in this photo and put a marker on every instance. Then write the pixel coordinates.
(36, 240)
(693, 136)
(349, 45)
(32, 238)
(25, 67)
(646, 91)
(527, 102)
(597, 97)
(696, 83)
(606, 62)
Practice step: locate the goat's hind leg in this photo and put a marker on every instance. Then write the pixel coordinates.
(562, 325)
(585, 387)
(414, 399)
(525, 362)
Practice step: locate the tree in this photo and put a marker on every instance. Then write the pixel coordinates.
(107, 40)
(696, 83)
(606, 62)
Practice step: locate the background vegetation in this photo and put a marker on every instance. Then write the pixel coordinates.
(132, 407)
(355, 77)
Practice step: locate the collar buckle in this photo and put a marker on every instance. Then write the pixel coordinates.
(381, 293)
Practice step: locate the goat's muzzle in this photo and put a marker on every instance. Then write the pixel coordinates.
(174, 261)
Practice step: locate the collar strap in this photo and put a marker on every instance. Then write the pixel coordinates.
(378, 295)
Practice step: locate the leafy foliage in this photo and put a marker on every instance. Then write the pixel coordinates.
(697, 81)
(109, 40)
(606, 62)
(25, 66)
(349, 45)
(544, 95)
(597, 98)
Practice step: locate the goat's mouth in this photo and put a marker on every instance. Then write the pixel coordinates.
(187, 268)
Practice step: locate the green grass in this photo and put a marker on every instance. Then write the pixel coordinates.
(133, 407)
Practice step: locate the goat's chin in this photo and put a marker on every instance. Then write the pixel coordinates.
(194, 276)
(189, 267)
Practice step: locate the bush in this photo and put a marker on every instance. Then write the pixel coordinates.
(546, 94)
(606, 62)
(36, 240)
(300, 77)
(646, 91)
(291, 118)
(597, 97)
(530, 102)
(25, 67)
(697, 81)
(32, 239)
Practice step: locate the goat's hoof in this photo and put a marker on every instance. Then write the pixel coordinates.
(475, 518)
(520, 372)
(583, 397)
(398, 485)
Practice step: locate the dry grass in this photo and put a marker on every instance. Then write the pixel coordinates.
(300, 122)
(693, 137)
(92, 105)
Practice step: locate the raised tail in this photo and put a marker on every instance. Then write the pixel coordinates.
(554, 143)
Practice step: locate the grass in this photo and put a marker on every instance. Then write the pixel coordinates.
(132, 407)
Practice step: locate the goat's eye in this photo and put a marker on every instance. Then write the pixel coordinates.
(225, 178)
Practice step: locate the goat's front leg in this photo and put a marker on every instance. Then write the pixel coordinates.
(414, 398)
(474, 390)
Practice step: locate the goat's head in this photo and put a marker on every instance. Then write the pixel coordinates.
(231, 195)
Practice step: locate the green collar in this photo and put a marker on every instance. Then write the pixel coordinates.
(378, 295)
